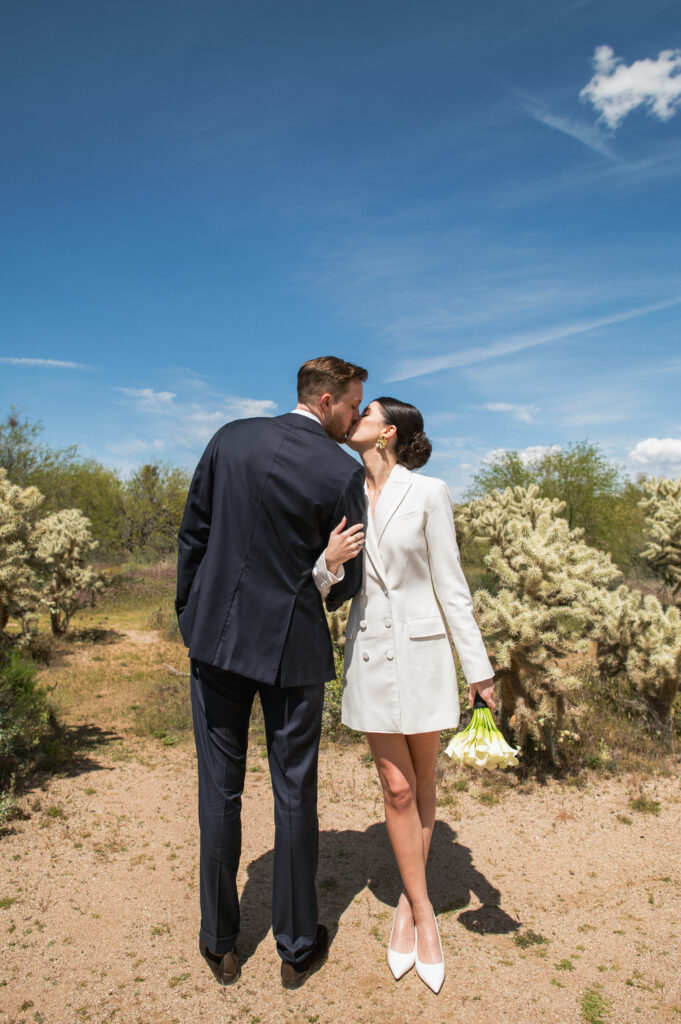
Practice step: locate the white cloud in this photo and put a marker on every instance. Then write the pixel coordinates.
(151, 401)
(587, 134)
(180, 425)
(410, 368)
(657, 454)
(527, 455)
(493, 455)
(618, 88)
(536, 451)
(524, 413)
(130, 445)
(242, 408)
(47, 364)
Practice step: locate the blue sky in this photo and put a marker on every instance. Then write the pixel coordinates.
(478, 201)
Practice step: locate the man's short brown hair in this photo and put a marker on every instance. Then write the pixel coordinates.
(326, 374)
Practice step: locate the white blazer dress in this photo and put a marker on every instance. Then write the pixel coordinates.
(400, 673)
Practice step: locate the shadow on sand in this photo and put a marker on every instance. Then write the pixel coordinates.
(69, 751)
(96, 635)
(351, 861)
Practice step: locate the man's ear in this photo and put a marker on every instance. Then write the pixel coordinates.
(325, 401)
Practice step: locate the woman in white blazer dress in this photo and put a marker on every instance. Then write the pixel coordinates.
(400, 676)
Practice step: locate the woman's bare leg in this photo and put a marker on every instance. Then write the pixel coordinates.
(424, 748)
(409, 833)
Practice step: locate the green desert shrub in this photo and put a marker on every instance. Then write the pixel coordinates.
(597, 497)
(333, 693)
(333, 699)
(153, 503)
(96, 491)
(29, 733)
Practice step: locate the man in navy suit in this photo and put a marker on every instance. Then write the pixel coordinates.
(263, 500)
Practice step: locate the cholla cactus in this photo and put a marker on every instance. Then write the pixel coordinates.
(338, 621)
(18, 583)
(541, 616)
(662, 509)
(485, 520)
(640, 642)
(63, 544)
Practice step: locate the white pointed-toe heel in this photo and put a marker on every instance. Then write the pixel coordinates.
(400, 963)
(432, 974)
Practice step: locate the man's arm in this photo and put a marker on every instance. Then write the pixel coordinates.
(195, 526)
(352, 505)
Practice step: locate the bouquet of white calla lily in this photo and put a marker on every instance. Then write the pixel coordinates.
(480, 743)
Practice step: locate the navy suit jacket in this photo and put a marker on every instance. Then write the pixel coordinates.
(264, 497)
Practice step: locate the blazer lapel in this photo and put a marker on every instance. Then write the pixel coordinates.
(371, 547)
(396, 487)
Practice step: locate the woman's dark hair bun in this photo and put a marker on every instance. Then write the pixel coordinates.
(414, 453)
(413, 447)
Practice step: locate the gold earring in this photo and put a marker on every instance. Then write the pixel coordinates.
(381, 442)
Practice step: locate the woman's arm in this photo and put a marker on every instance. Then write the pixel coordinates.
(324, 579)
(486, 691)
(352, 505)
(453, 594)
(343, 545)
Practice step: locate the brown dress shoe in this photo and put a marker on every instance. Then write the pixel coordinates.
(225, 966)
(294, 977)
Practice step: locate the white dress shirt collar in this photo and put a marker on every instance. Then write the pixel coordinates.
(306, 412)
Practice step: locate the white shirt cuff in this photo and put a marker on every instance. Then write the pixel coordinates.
(323, 578)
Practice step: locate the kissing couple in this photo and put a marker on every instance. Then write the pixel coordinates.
(279, 519)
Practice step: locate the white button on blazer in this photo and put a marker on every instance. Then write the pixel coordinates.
(400, 674)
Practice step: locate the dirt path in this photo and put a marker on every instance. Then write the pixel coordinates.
(552, 903)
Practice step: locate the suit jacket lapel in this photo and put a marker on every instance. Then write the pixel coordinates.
(396, 487)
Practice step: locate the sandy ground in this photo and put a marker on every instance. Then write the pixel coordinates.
(99, 900)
